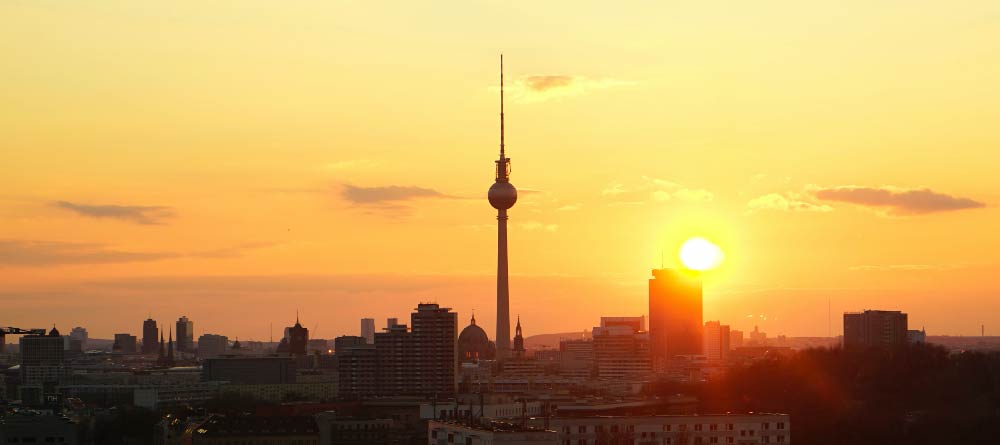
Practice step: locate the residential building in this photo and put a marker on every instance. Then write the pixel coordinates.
(875, 329)
(212, 345)
(722, 429)
(717, 340)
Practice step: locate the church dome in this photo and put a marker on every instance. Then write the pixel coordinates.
(54, 332)
(474, 344)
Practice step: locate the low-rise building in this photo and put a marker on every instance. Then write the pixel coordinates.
(724, 429)
(223, 430)
(487, 433)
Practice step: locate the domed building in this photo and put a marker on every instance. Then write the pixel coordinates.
(474, 345)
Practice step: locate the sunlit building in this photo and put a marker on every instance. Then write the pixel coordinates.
(675, 311)
(620, 351)
(185, 334)
(717, 340)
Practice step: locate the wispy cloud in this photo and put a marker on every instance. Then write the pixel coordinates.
(655, 190)
(570, 207)
(907, 267)
(540, 88)
(387, 194)
(789, 202)
(149, 215)
(535, 225)
(55, 253)
(898, 201)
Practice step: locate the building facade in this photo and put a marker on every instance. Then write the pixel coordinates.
(150, 337)
(185, 334)
(728, 429)
(212, 345)
(675, 315)
(875, 329)
(368, 330)
(717, 340)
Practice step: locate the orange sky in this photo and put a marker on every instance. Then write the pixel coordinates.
(234, 161)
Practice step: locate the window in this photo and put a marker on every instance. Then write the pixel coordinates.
(697, 427)
(781, 425)
(713, 427)
(666, 427)
(767, 439)
(713, 440)
(729, 427)
(781, 438)
(766, 425)
(582, 429)
(743, 433)
(730, 439)
(630, 428)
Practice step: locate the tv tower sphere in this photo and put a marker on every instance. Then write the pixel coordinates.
(502, 195)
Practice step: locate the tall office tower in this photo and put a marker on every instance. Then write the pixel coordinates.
(875, 329)
(675, 326)
(42, 364)
(368, 330)
(502, 196)
(620, 350)
(125, 344)
(150, 344)
(211, 345)
(185, 334)
(78, 336)
(717, 340)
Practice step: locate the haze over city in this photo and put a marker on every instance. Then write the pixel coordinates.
(237, 162)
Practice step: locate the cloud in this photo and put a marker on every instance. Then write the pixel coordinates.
(656, 190)
(137, 214)
(540, 88)
(535, 225)
(896, 200)
(570, 207)
(387, 194)
(791, 203)
(55, 253)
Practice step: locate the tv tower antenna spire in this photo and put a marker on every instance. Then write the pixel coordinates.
(502, 196)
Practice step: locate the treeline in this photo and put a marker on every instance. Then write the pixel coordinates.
(920, 394)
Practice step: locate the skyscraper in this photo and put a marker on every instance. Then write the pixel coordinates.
(368, 330)
(675, 326)
(420, 362)
(150, 345)
(185, 334)
(502, 196)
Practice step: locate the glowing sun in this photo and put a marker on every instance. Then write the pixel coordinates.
(700, 254)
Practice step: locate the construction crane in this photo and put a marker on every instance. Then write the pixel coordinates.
(4, 330)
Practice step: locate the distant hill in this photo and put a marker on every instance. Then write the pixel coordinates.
(551, 341)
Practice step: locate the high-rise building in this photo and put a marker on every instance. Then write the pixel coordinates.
(185, 334)
(42, 365)
(211, 345)
(79, 334)
(502, 196)
(576, 358)
(125, 344)
(357, 371)
(150, 344)
(344, 342)
(421, 361)
(875, 329)
(368, 330)
(675, 311)
(717, 340)
(638, 324)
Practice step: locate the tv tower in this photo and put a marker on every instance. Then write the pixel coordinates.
(502, 196)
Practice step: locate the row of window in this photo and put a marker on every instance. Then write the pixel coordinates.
(681, 427)
(697, 440)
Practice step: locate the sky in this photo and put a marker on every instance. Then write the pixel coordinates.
(238, 161)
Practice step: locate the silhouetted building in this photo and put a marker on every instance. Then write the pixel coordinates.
(295, 341)
(474, 344)
(125, 344)
(249, 370)
(166, 358)
(717, 340)
(212, 345)
(421, 362)
(42, 365)
(675, 310)
(347, 341)
(357, 371)
(874, 329)
(518, 340)
(368, 330)
(915, 337)
(735, 339)
(638, 324)
(150, 345)
(576, 358)
(185, 334)
(757, 338)
(79, 334)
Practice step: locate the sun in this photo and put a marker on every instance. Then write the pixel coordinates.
(700, 254)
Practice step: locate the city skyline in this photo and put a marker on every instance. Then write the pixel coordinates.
(292, 165)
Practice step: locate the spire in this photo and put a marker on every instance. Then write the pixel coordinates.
(473, 317)
(501, 108)
(170, 348)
